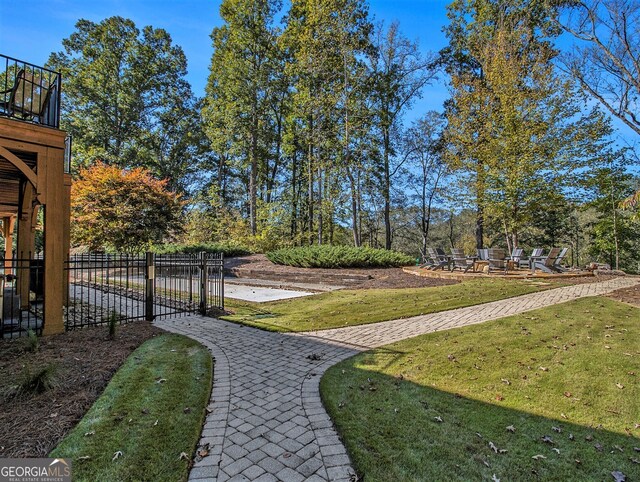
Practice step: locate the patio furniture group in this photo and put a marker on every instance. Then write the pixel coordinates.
(495, 259)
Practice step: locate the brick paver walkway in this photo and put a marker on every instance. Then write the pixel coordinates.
(267, 421)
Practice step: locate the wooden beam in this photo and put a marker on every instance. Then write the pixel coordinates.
(20, 165)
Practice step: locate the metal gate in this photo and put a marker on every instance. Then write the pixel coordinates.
(105, 288)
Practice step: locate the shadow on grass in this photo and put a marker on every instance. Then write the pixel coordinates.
(398, 430)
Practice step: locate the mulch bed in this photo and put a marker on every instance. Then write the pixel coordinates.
(377, 278)
(31, 425)
(627, 295)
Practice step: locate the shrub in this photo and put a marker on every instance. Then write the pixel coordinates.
(229, 250)
(32, 343)
(113, 324)
(38, 381)
(339, 257)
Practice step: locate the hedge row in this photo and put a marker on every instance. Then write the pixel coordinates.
(339, 257)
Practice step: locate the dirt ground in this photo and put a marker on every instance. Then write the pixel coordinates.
(84, 361)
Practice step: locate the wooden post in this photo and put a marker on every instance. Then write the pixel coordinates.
(51, 166)
(8, 223)
(66, 232)
(26, 243)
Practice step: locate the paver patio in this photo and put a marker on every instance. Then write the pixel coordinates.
(267, 421)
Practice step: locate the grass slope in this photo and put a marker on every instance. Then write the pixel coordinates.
(573, 366)
(167, 379)
(357, 307)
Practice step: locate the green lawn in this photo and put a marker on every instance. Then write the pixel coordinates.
(357, 307)
(430, 408)
(151, 412)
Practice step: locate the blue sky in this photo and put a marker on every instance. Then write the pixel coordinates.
(43, 25)
(31, 29)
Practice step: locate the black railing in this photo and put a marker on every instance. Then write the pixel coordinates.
(29, 92)
(120, 288)
(21, 296)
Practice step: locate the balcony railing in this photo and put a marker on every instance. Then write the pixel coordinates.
(29, 93)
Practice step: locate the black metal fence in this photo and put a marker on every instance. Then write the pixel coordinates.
(29, 92)
(120, 288)
(21, 296)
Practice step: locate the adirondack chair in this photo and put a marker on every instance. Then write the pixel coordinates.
(28, 98)
(557, 265)
(546, 263)
(483, 254)
(526, 262)
(515, 257)
(497, 259)
(426, 261)
(460, 261)
(439, 258)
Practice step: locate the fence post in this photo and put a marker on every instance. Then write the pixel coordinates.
(203, 283)
(150, 274)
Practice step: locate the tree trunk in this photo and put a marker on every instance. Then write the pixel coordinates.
(479, 227)
(310, 181)
(386, 193)
(320, 199)
(253, 174)
(354, 207)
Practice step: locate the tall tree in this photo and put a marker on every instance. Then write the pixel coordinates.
(325, 40)
(515, 117)
(424, 149)
(122, 209)
(238, 91)
(606, 61)
(119, 82)
(398, 73)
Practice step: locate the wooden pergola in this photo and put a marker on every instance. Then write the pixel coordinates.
(33, 179)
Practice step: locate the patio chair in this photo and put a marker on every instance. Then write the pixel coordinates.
(526, 262)
(28, 98)
(557, 265)
(497, 259)
(460, 261)
(483, 254)
(546, 263)
(426, 261)
(438, 257)
(516, 254)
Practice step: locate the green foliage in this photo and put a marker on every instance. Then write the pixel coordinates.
(142, 415)
(228, 250)
(38, 380)
(126, 101)
(113, 324)
(32, 342)
(481, 379)
(339, 257)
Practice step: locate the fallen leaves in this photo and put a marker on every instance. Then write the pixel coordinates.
(117, 455)
(538, 457)
(183, 456)
(620, 386)
(511, 429)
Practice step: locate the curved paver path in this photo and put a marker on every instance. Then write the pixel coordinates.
(267, 421)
